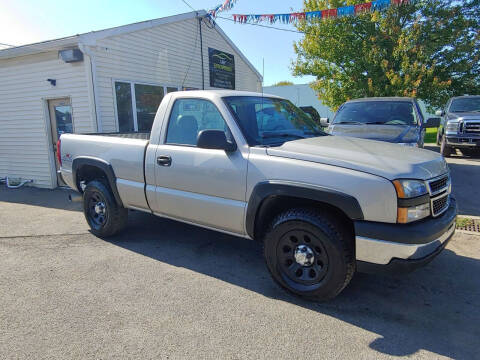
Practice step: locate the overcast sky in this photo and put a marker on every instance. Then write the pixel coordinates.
(28, 21)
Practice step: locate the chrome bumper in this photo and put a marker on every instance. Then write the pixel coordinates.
(377, 251)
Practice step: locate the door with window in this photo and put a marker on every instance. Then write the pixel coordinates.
(206, 186)
(61, 122)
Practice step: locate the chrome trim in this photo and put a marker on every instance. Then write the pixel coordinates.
(447, 204)
(381, 252)
(447, 175)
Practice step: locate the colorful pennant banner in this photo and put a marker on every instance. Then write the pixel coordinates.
(227, 5)
(289, 18)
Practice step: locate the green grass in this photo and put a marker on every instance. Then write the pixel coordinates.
(463, 222)
(431, 135)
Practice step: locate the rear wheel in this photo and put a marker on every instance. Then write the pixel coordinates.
(309, 254)
(445, 150)
(104, 216)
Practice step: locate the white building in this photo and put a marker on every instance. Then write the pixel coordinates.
(300, 95)
(106, 81)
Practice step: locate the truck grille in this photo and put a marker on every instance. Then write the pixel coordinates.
(472, 127)
(439, 184)
(440, 204)
(439, 189)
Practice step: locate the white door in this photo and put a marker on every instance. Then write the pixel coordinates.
(203, 186)
(61, 122)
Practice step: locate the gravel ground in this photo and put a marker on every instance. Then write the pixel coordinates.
(166, 290)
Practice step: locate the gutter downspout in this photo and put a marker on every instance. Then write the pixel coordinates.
(93, 72)
(201, 51)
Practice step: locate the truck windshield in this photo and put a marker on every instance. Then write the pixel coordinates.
(467, 104)
(271, 121)
(376, 112)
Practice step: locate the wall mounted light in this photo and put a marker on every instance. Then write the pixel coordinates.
(52, 82)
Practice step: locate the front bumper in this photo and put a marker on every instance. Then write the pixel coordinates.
(463, 141)
(382, 247)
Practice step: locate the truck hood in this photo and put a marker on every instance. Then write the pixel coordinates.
(463, 116)
(390, 133)
(390, 161)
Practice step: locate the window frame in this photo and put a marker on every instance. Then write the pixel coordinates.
(133, 98)
(167, 123)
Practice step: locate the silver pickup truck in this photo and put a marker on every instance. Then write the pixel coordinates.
(256, 166)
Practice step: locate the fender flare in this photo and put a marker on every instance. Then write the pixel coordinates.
(102, 165)
(268, 189)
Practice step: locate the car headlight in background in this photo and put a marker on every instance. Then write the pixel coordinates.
(451, 127)
(412, 144)
(413, 200)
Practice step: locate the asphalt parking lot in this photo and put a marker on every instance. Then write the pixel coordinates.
(168, 290)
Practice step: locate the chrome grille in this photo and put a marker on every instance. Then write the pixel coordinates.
(439, 189)
(472, 127)
(439, 184)
(440, 204)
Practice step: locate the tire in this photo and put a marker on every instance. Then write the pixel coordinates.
(331, 265)
(104, 216)
(445, 150)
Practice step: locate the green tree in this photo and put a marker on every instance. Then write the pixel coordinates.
(283, 83)
(428, 49)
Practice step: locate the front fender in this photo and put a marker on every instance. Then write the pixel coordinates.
(264, 190)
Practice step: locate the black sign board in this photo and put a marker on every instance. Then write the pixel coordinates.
(222, 69)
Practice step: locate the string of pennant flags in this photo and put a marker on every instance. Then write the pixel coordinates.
(289, 18)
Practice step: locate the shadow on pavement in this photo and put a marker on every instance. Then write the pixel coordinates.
(436, 308)
(465, 172)
(56, 199)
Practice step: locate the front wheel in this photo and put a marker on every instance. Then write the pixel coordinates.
(309, 254)
(104, 216)
(445, 150)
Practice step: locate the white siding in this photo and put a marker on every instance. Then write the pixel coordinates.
(161, 55)
(25, 151)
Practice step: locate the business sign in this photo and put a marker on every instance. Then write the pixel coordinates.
(222, 69)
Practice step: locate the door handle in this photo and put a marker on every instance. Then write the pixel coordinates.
(164, 160)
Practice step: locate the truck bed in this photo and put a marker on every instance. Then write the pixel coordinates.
(127, 135)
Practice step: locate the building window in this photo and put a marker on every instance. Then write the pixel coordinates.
(137, 104)
(124, 107)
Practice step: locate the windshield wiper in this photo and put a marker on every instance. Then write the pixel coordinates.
(267, 135)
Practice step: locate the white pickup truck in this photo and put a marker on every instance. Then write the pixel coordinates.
(256, 166)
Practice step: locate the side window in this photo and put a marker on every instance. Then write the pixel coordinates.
(190, 116)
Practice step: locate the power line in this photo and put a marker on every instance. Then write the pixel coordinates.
(265, 26)
(190, 6)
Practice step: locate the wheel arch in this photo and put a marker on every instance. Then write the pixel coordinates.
(86, 168)
(270, 198)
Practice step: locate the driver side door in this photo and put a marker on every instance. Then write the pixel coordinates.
(203, 186)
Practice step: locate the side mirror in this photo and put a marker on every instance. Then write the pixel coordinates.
(432, 123)
(324, 121)
(439, 112)
(215, 139)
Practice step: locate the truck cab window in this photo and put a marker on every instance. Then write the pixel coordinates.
(190, 116)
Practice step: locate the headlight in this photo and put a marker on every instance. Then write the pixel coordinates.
(412, 213)
(413, 200)
(452, 126)
(410, 188)
(413, 144)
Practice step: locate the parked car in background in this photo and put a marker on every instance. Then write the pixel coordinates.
(460, 125)
(392, 119)
(255, 166)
